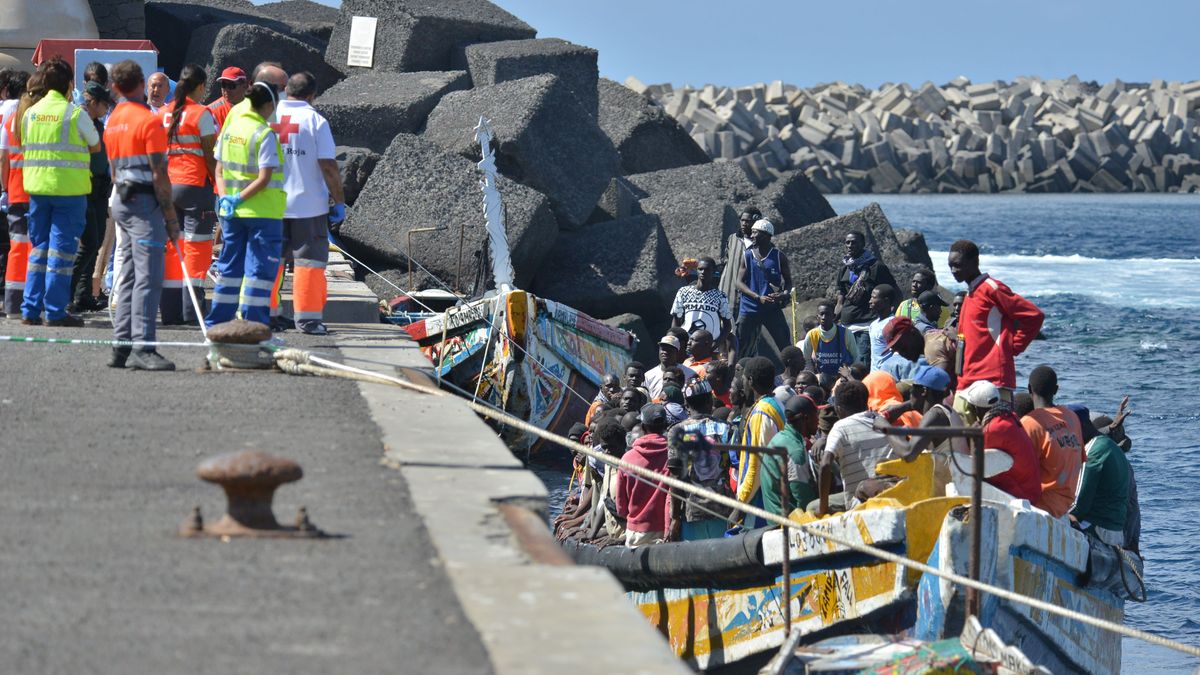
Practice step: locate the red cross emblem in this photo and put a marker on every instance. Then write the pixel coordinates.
(285, 128)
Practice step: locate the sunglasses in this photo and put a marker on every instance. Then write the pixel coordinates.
(227, 84)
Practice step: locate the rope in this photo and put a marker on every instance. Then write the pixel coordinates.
(675, 483)
(96, 342)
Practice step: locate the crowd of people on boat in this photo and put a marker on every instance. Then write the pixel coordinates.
(724, 411)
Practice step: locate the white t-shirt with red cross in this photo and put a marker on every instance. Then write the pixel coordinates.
(306, 138)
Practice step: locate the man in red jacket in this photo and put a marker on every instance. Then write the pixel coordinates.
(641, 504)
(994, 323)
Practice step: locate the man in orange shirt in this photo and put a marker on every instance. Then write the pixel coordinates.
(233, 85)
(1058, 438)
(137, 149)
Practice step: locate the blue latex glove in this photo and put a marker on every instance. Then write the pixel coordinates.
(337, 214)
(227, 205)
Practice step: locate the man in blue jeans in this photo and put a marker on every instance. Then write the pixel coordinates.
(764, 282)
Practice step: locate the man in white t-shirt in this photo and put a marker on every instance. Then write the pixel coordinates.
(670, 355)
(311, 178)
(703, 306)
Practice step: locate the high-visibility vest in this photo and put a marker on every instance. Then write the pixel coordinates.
(132, 135)
(56, 157)
(16, 181)
(185, 154)
(240, 140)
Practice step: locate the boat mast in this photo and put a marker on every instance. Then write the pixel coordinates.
(493, 209)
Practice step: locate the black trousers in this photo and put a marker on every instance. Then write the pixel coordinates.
(750, 325)
(89, 242)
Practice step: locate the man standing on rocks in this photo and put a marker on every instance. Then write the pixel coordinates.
(233, 85)
(735, 252)
(923, 281)
(764, 282)
(861, 272)
(703, 306)
(310, 178)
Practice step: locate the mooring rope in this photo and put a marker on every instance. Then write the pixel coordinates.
(807, 528)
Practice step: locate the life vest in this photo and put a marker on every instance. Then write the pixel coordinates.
(55, 161)
(185, 154)
(240, 140)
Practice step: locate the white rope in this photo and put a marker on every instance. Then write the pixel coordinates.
(779, 520)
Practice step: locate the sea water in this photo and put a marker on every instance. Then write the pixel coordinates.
(1117, 276)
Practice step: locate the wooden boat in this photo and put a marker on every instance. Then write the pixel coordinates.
(537, 359)
(720, 601)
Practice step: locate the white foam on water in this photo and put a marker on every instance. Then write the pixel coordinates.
(1151, 346)
(1123, 282)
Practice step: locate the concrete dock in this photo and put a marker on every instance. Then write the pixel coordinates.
(98, 468)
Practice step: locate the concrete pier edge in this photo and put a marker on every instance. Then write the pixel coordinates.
(533, 615)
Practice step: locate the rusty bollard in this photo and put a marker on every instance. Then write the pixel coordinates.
(249, 479)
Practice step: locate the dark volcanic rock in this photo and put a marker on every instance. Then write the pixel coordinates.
(916, 251)
(218, 46)
(611, 268)
(697, 204)
(647, 346)
(815, 251)
(646, 137)
(423, 34)
(119, 19)
(355, 166)
(619, 201)
(574, 65)
(546, 140)
(417, 184)
(792, 201)
(170, 25)
(304, 16)
(370, 109)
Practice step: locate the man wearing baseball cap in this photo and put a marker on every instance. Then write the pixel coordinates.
(669, 356)
(933, 307)
(905, 349)
(1002, 430)
(233, 83)
(764, 283)
(643, 505)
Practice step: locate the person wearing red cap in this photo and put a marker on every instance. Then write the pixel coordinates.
(233, 83)
(905, 349)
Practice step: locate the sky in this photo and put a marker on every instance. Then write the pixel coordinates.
(870, 42)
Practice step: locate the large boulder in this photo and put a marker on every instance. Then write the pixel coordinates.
(645, 136)
(698, 205)
(418, 184)
(574, 65)
(647, 346)
(304, 16)
(119, 19)
(915, 249)
(545, 138)
(368, 110)
(170, 24)
(416, 35)
(792, 201)
(611, 268)
(218, 46)
(816, 251)
(355, 166)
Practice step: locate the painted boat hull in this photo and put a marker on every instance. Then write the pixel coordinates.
(1033, 554)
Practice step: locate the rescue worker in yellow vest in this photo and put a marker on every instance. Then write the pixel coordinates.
(57, 137)
(312, 177)
(144, 211)
(251, 206)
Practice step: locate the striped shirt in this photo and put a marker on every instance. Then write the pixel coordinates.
(857, 448)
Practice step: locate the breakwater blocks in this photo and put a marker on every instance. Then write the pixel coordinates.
(1030, 135)
(370, 109)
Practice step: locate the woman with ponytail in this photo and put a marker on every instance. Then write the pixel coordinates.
(191, 137)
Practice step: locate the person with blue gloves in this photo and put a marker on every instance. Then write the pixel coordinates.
(312, 178)
(251, 207)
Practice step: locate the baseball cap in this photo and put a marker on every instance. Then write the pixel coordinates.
(670, 341)
(653, 413)
(931, 377)
(763, 225)
(982, 394)
(930, 298)
(233, 74)
(895, 328)
(97, 92)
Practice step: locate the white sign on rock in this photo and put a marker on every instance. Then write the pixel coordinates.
(362, 41)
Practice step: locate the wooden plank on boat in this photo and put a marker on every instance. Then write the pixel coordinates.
(451, 322)
(874, 527)
(580, 321)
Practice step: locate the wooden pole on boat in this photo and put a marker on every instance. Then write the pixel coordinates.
(976, 524)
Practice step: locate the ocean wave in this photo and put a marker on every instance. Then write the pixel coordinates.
(1122, 282)
(1151, 346)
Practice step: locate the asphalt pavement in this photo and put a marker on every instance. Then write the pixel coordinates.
(97, 468)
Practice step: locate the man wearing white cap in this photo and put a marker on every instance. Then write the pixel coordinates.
(669, 353)
(764, 283)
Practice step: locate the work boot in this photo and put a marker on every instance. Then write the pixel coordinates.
(119, 356)
(67, 321)
(314, 328)
(149, 360)
(30, 321)
(281, 323)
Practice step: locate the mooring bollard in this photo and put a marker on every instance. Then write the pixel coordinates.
(249, 479)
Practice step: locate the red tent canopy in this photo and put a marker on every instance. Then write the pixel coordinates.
(66, 48)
